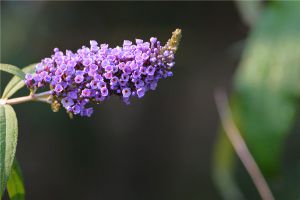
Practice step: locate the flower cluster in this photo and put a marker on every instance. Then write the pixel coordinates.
(95, 73)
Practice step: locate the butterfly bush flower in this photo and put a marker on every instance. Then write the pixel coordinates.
(94, 73)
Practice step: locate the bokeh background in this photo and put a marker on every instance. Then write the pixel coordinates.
(159, 147)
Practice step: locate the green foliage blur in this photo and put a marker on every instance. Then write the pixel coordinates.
(265, 102)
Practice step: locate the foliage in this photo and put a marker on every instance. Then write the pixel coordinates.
(266, 93)
(10, 175)
(15, 185)
(8, 142)
(16, 83)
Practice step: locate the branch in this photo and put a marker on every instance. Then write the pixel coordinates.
(43, 97)
(240, 146)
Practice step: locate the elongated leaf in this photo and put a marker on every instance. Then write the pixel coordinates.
(8, 142)
(16, 83)
(15, 184)
(2, 148)
(12, 69)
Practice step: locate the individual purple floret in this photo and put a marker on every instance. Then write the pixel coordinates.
(95, 73)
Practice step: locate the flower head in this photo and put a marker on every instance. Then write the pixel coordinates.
(93, 74)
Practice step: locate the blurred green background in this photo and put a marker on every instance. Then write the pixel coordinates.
(160, 147)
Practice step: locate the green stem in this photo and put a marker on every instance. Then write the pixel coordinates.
(43, 97)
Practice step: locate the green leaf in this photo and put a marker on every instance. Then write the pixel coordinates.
(267, 84)
(2, 149)
(12, 69)
(15, 183)
(8, 143)
(16, 83)
(265, 99)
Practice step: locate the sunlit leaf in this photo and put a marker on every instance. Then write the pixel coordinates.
(13, 70)
(16, 83)
(15, 183)
(8, 142)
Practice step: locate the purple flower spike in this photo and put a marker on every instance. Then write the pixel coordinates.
(28, 77)
(150, 70)
(67, 102)
(86, 93)
(58, 88)
(94, 73)
(93, 43)
(47, 78)
(153, 40)
(87, 112)
(76, 109)
(79, 79)
(72, 94)
(140, 92)
(126, 92)
(104, 91)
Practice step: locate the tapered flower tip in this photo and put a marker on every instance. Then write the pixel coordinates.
(174, 41)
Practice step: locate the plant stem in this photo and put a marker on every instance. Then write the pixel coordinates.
(43, 97)
(240, 146)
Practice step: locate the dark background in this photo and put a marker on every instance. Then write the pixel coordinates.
(159, 147)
